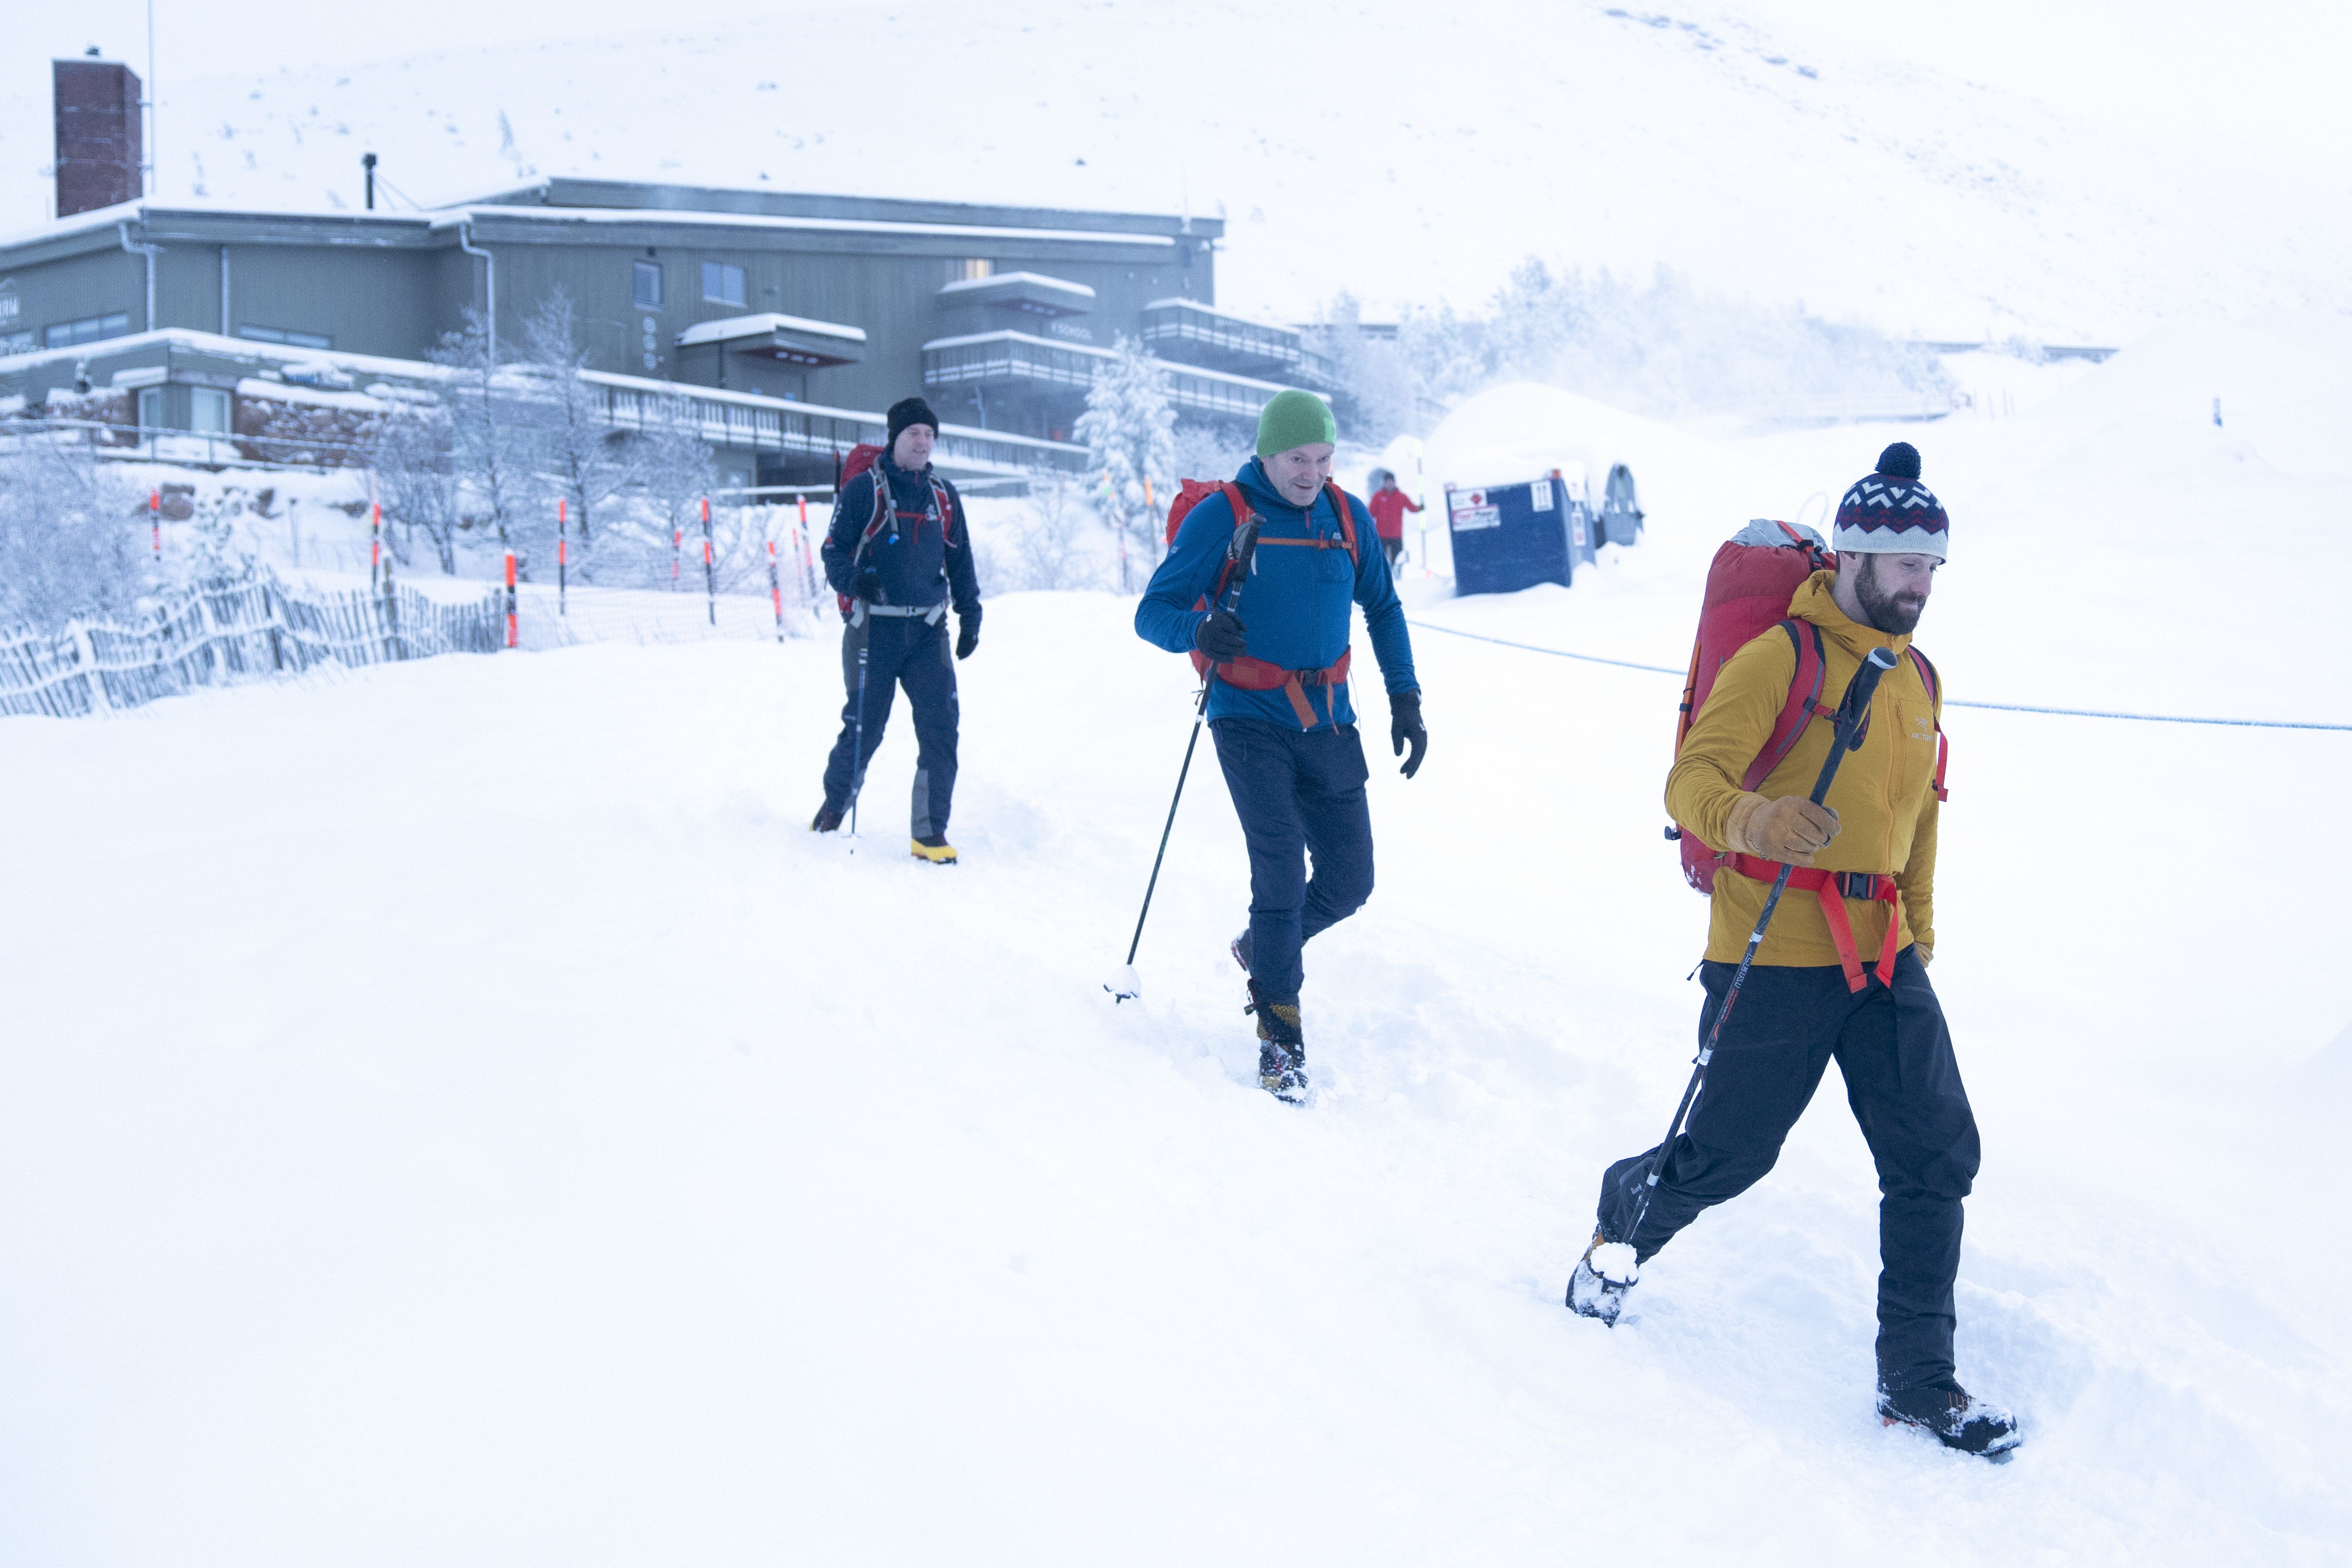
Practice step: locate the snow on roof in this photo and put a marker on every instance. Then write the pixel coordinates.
(457, 215)
(1033, 279)
(231, 347)
(766, 321)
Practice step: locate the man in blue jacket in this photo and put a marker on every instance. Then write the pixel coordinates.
(901, 578)
(1278, 707)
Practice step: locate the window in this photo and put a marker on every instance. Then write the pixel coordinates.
(151, 408)
(88, 330)
(208, 410)
(645, 285)
(722, 284)
(291, 339)
(971, 271)
(16, 342)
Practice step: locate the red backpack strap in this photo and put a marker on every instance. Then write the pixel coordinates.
(882, 503)
(1346, 518)
(1804, 704)
(1935, 685)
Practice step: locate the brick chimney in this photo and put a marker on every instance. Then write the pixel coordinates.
(99, 137)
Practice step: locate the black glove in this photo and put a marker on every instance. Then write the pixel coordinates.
(1404, 724)
(868, 586)
(967, 633)
(1219, 636)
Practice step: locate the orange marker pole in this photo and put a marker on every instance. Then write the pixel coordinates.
(512, 640)
(155, 520)
(375, 540)
(710, 572)
(676, 543)
(562, 552)
(808, 562)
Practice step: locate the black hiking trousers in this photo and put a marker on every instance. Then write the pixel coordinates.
(909, 652)
(1903, 1084)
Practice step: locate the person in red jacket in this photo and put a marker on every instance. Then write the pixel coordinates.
(1388, 506)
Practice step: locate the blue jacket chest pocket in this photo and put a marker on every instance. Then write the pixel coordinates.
(1331, 565)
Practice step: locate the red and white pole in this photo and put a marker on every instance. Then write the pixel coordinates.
(676, 543)
(776, 590)
(563, 553)
(709, 572)
(808, 562)
(155, 520)
(375, 540)
(512, 640)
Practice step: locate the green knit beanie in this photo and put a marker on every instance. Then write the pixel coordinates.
(1294, 419)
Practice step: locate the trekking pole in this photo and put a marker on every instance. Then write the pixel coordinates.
(1853, 711)
(1241, 552)
(858, 757)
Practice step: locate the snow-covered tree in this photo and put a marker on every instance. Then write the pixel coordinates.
(73, 537)
(491, 438)
(409, 452)
(1130, 427)
(585, 463)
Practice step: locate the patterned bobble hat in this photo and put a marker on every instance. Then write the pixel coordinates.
(1890, 512)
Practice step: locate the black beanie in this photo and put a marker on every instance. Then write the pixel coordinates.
(1900, 461)
(910, 410)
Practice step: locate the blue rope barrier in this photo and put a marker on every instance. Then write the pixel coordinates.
(1948, 702)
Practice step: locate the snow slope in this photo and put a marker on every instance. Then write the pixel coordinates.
(1870, 165)
(456, 1113)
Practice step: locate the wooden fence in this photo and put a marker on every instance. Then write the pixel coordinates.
(233, 629)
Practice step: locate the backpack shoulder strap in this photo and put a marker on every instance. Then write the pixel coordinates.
(1803, 705)
(873, 476)
(1935, 705)
(1242, 513)
(1346, 518)
(943, 497)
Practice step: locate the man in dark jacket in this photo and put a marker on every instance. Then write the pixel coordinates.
(1278, 705)
(900, 550)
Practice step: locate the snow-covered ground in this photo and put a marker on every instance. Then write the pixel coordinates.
(456, 1113)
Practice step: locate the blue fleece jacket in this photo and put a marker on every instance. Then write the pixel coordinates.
(1297, 605)
(917, 565)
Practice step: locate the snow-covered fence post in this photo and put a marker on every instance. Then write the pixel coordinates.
(86, 655)
(512, 639)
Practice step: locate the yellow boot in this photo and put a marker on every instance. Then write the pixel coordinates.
(936, 850)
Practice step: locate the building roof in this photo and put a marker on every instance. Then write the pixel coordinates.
(767, 321)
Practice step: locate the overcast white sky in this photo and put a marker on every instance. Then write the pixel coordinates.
(2270, 68)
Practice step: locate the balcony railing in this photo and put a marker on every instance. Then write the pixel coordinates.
(1015, 359)
(745, 422)
(1188, 330)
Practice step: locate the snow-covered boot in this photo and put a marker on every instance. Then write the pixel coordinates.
(1241, 950)
(935, 848)
(1603, 1275)
(1281, 1046)
(827, 820)
(1956, 1420)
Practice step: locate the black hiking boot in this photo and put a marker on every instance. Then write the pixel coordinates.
(1603, 1275)
(1956, 1419)
(827, 820)
(1281, 1048)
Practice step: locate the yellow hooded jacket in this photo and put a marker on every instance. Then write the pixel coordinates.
(1885, 794)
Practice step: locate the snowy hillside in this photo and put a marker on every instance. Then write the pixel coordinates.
(1403, 152)
(456, 1113)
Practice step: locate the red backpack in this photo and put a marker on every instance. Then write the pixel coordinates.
(1255, 675)
(862, 457)
(1748, 587)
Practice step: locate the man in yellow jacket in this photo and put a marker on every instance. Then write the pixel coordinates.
(1842, 970)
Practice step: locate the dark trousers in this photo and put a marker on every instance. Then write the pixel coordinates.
(1395, 547)
(1299, 793)
(1903, 1084)
(909, 652)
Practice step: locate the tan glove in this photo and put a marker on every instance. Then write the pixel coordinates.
(1790, 829)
